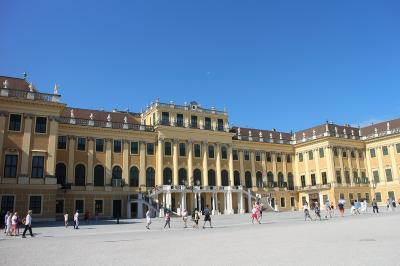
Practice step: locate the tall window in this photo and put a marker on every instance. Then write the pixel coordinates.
(335, 152)
(321, 153)
(259, 181)
(134, 177)
(303, 180)
(193, 121)
(207, 123)
(182, 176)
(80, 175)
(35, 204)
(313, 180)
(62, 142)
(324, 178)
(182, 149)
(179, 120)
(347, 176)
(224, 178)
(197, 150)
(167, 148)
(389, 177)
(98, 176)
(197, 177)
(99, 145)
(288, 158)
(278, 158)
(224, 153)
(10, 165)
(281, 180)
(385, 150)
(378, 197)
(15, 122)
(398, 147)
(167, 176)
(235, 155)
(150, 177)
(282, 202)
(258, 156)
(165, 118)
(372, 153)
(352, 154)
(81, 144)
(246, 155)
(268, 155)
(338, 177)
(80, 206)
(117, 146)
(98, 206)
(150, 148)
(376, 176)
(7, 203)
(270, 179)
(61, 173)
(134, 147)
(211, 177)
(310, 155)
(37, 167)
(220, 125)
(344, 154)
(211, 151)
(41, 124)
(247, 180)
(116, 172)
(300, 157)
(60, 206)
(290, 181)
(236, 178)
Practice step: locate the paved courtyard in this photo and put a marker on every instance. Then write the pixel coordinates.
(281, 239)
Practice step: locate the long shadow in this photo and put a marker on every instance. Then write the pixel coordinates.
(81, 223)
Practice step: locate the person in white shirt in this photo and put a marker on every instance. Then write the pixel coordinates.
(185, 217)
(76, 220)
(28, 224)
(66, 219)
(14, 223)
(148, 219)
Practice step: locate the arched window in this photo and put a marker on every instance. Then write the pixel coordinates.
(197, 177)
(182, 176)
(167, 176)
(281, 180)
(80, 175)
(61, 173)
(98, 179)
(134, 177)
(117, 172)
(224, 178)
(259, 181)
(247, 179)
(236, 178)
(290, 181)
(150, 177)
(270, 179)
(211, 178)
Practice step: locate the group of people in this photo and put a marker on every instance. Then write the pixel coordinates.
(76, 219)
(195, 218)
(256, 212)
(12, 222)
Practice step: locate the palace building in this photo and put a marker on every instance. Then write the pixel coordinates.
(55, 159)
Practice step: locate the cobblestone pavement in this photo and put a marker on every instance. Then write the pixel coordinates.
(281, 239)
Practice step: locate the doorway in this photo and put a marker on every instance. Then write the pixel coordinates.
(117, 207)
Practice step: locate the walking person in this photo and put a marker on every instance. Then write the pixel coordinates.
(28, 224)
(148, 219)
(306, 209)
(9, 224)
(375, 206)
(394, 205)
(356, 207)
(185, 217)
(14, 223)
(207, 216)
(317, 211)
(332, 208)
(167, 220)
(6, 221)
(260, 209)
(66, 219)
(76, 220)
(254, 214)
(327, 210)
(388, 205)
(196, 218)
(341, 208)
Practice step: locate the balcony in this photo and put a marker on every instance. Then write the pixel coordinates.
(30, 95)
(104, 124)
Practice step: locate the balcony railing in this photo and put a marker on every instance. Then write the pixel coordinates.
(265, 140)
(104, 124)
(23, 94)
(187, 107)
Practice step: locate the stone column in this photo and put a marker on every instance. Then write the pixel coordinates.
(159, 178)
(317, 170)
(358, 163)
(229, 205)
(108, 162)
(52, 146)
(382, 174)
(350, 167)
(71, 159)
(218, 164)
(249, 202)
(140, 210)
(308, 176)
(284, 166)
(26, 146)
(205, 164)
(213, 204)
(297, 180)
(2, 132)
(230, 156)
(330, 165)
(273, 156)
(90, 154)
(253, 168)
(142, 172)
(264, 165)
(190, 162)
(241, 163)
(395, 169)
(128, 208)
(367, 157)
(241, 202)
(341, 164)
(125, 162)
(175, 180)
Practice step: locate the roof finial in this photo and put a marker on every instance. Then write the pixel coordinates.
(5, 84)
(25, 75)
(72, 113)
(30, 87)
(55, 90)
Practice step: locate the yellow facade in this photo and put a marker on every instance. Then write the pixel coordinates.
(57, 159)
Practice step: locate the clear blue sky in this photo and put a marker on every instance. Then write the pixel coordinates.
(286, 64)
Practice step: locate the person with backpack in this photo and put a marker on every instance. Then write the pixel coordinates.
(341, 207)
(207, 216)
(196, 218)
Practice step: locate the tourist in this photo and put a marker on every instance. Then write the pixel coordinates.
(148, 219)
(185, 217)
(356, 207)
(317, 211)
(76, 220)
(207, 216)
(167, 219)
(332, 208)
(260, 209)
(389, 205)
(327, 209)
(196, 218)
(375, 206)
(28, 224)
(14, 223)
(6, 221)
(9, 225)
(66, 219)
(254, 212)
(394, 205)
(363, 206)
(18, 223)
(341, 207)
(306, 211)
